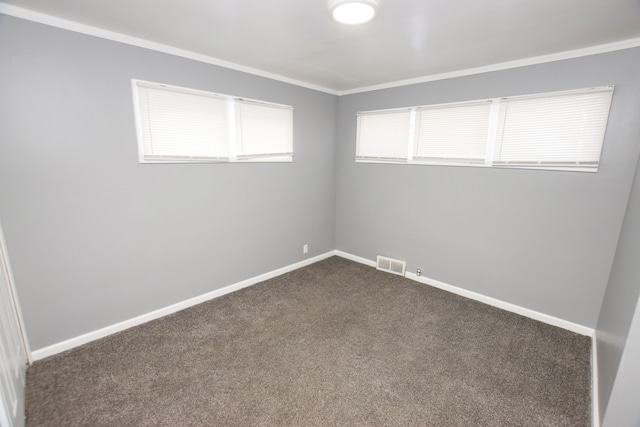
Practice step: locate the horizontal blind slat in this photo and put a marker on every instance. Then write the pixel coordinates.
(263, 130)
(568, 128)
(384, 135)
(181, 124)
(453, 132)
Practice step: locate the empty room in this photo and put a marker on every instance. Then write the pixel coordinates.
(320, 212)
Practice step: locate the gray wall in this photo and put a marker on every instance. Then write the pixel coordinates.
(614, 324)
(544, 240)
(95, 237)
(623, 409)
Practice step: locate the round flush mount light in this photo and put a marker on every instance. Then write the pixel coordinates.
(353, 12)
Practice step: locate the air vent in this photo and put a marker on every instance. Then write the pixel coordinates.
(391, 265)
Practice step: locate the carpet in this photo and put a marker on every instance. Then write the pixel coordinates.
(335, 343)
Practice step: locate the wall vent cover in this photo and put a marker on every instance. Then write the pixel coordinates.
(391, 265)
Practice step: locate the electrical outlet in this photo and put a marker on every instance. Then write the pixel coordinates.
(305, 249)
(419, 272)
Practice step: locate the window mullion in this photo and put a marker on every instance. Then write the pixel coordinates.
(413, 134)
(182, 125)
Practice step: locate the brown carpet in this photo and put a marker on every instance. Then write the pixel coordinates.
(335, 343)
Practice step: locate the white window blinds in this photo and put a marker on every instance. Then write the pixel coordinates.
(559, 130)
(383, 135)
(453, 133)
(264, 130)
(185, 125)
(178, 125)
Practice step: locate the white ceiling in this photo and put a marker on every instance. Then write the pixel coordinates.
(295, 40)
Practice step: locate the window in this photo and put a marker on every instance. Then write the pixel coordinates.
(383, 135)
(560, 131)
(456, 133)
(179, 125)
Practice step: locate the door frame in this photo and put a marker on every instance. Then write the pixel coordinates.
(4, 258)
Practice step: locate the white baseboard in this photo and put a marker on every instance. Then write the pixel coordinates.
(356, 258)
(108, 330)
(103, 332)
(532, 314)
(41, 353)
(545, 318)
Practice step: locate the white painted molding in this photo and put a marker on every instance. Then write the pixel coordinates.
(559, 56)
(11, 284)
(595, 392)
(77, 27)
(156, 314)
(532, 314)
(356, 258)
(108, 330)
(53, 21)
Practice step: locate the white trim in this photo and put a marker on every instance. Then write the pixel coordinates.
(559, 56)
(526, 312)
(595, 395)
(137, 83)
(77, 27)
(532, 314)
(138, 119)
(14, 294)
(585, 159)
(103, 332)
(279, 150)
(41, 353)
(53, 21)
(356, 258)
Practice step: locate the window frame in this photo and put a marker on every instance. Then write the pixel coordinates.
(233, 113)
(492, 137)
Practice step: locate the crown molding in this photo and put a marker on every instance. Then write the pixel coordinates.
(77, 27)
(559, 56)
(53, 21)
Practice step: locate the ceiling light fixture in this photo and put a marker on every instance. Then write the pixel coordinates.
(353, 12)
